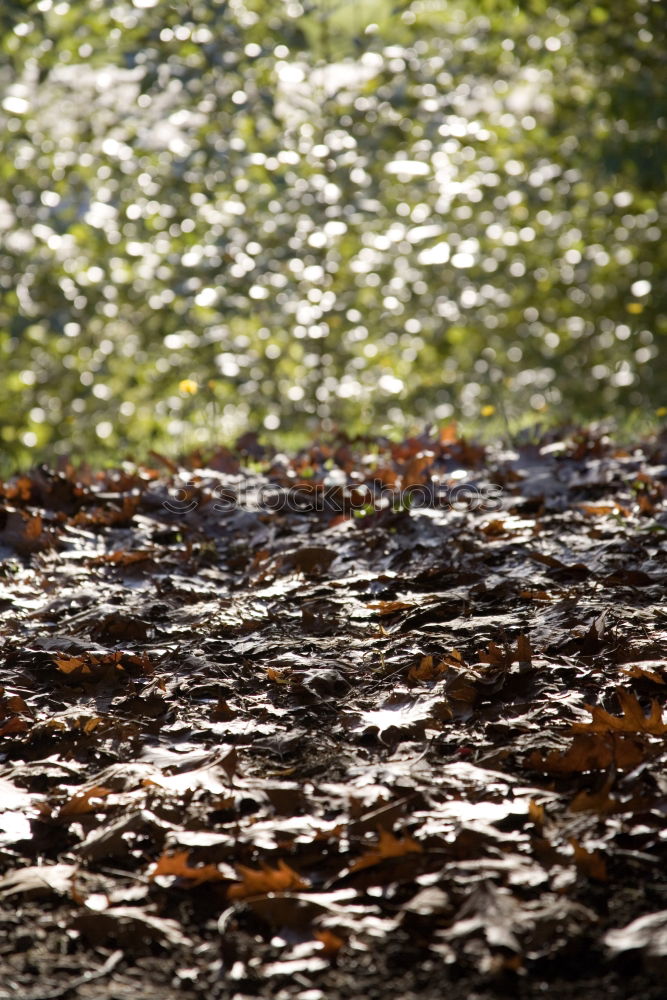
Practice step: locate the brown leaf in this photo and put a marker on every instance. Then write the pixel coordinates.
(24, 532)
(14, 726)
(632, 720)
(390, 607)
(178, 864)
(388, 846)
(330, 941)
(426, 670)
(590, 863)
(256, 881)
(524, 653)
(504, 656)
(603, 804)
(83, 802)
(71, 664)
(279, 675)
(643, 672)
(590, 753)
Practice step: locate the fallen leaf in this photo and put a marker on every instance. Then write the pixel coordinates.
(632, 720)
(590, 753)
(638, 671)
(590, 863)
(426, 670)
(331, 943)
(83, 802)
(70, 664)
(384, 608)
(388, 846)
(129, 926)
(255, 881)
(178, 864)
(14, 726)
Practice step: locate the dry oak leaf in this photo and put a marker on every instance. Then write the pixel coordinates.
(388, 846)
(426, 670)
(632, 720)
(256, 881)
(590, 863)
(84, 802)
(178, 864)
(504, 656)
(643, 672)
(384, 608)
(429, 670)
(68, 664)
(590, 752)
(13, 726)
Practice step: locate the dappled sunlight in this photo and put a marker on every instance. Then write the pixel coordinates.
(453, 211)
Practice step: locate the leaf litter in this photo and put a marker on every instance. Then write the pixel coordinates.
(318, 740)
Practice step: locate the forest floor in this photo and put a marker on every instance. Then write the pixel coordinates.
(271, 726)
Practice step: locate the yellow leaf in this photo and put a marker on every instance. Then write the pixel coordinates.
(634, 308)
(488, 410)
(188, 386)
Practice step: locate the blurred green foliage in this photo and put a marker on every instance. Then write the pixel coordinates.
(219, 214)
